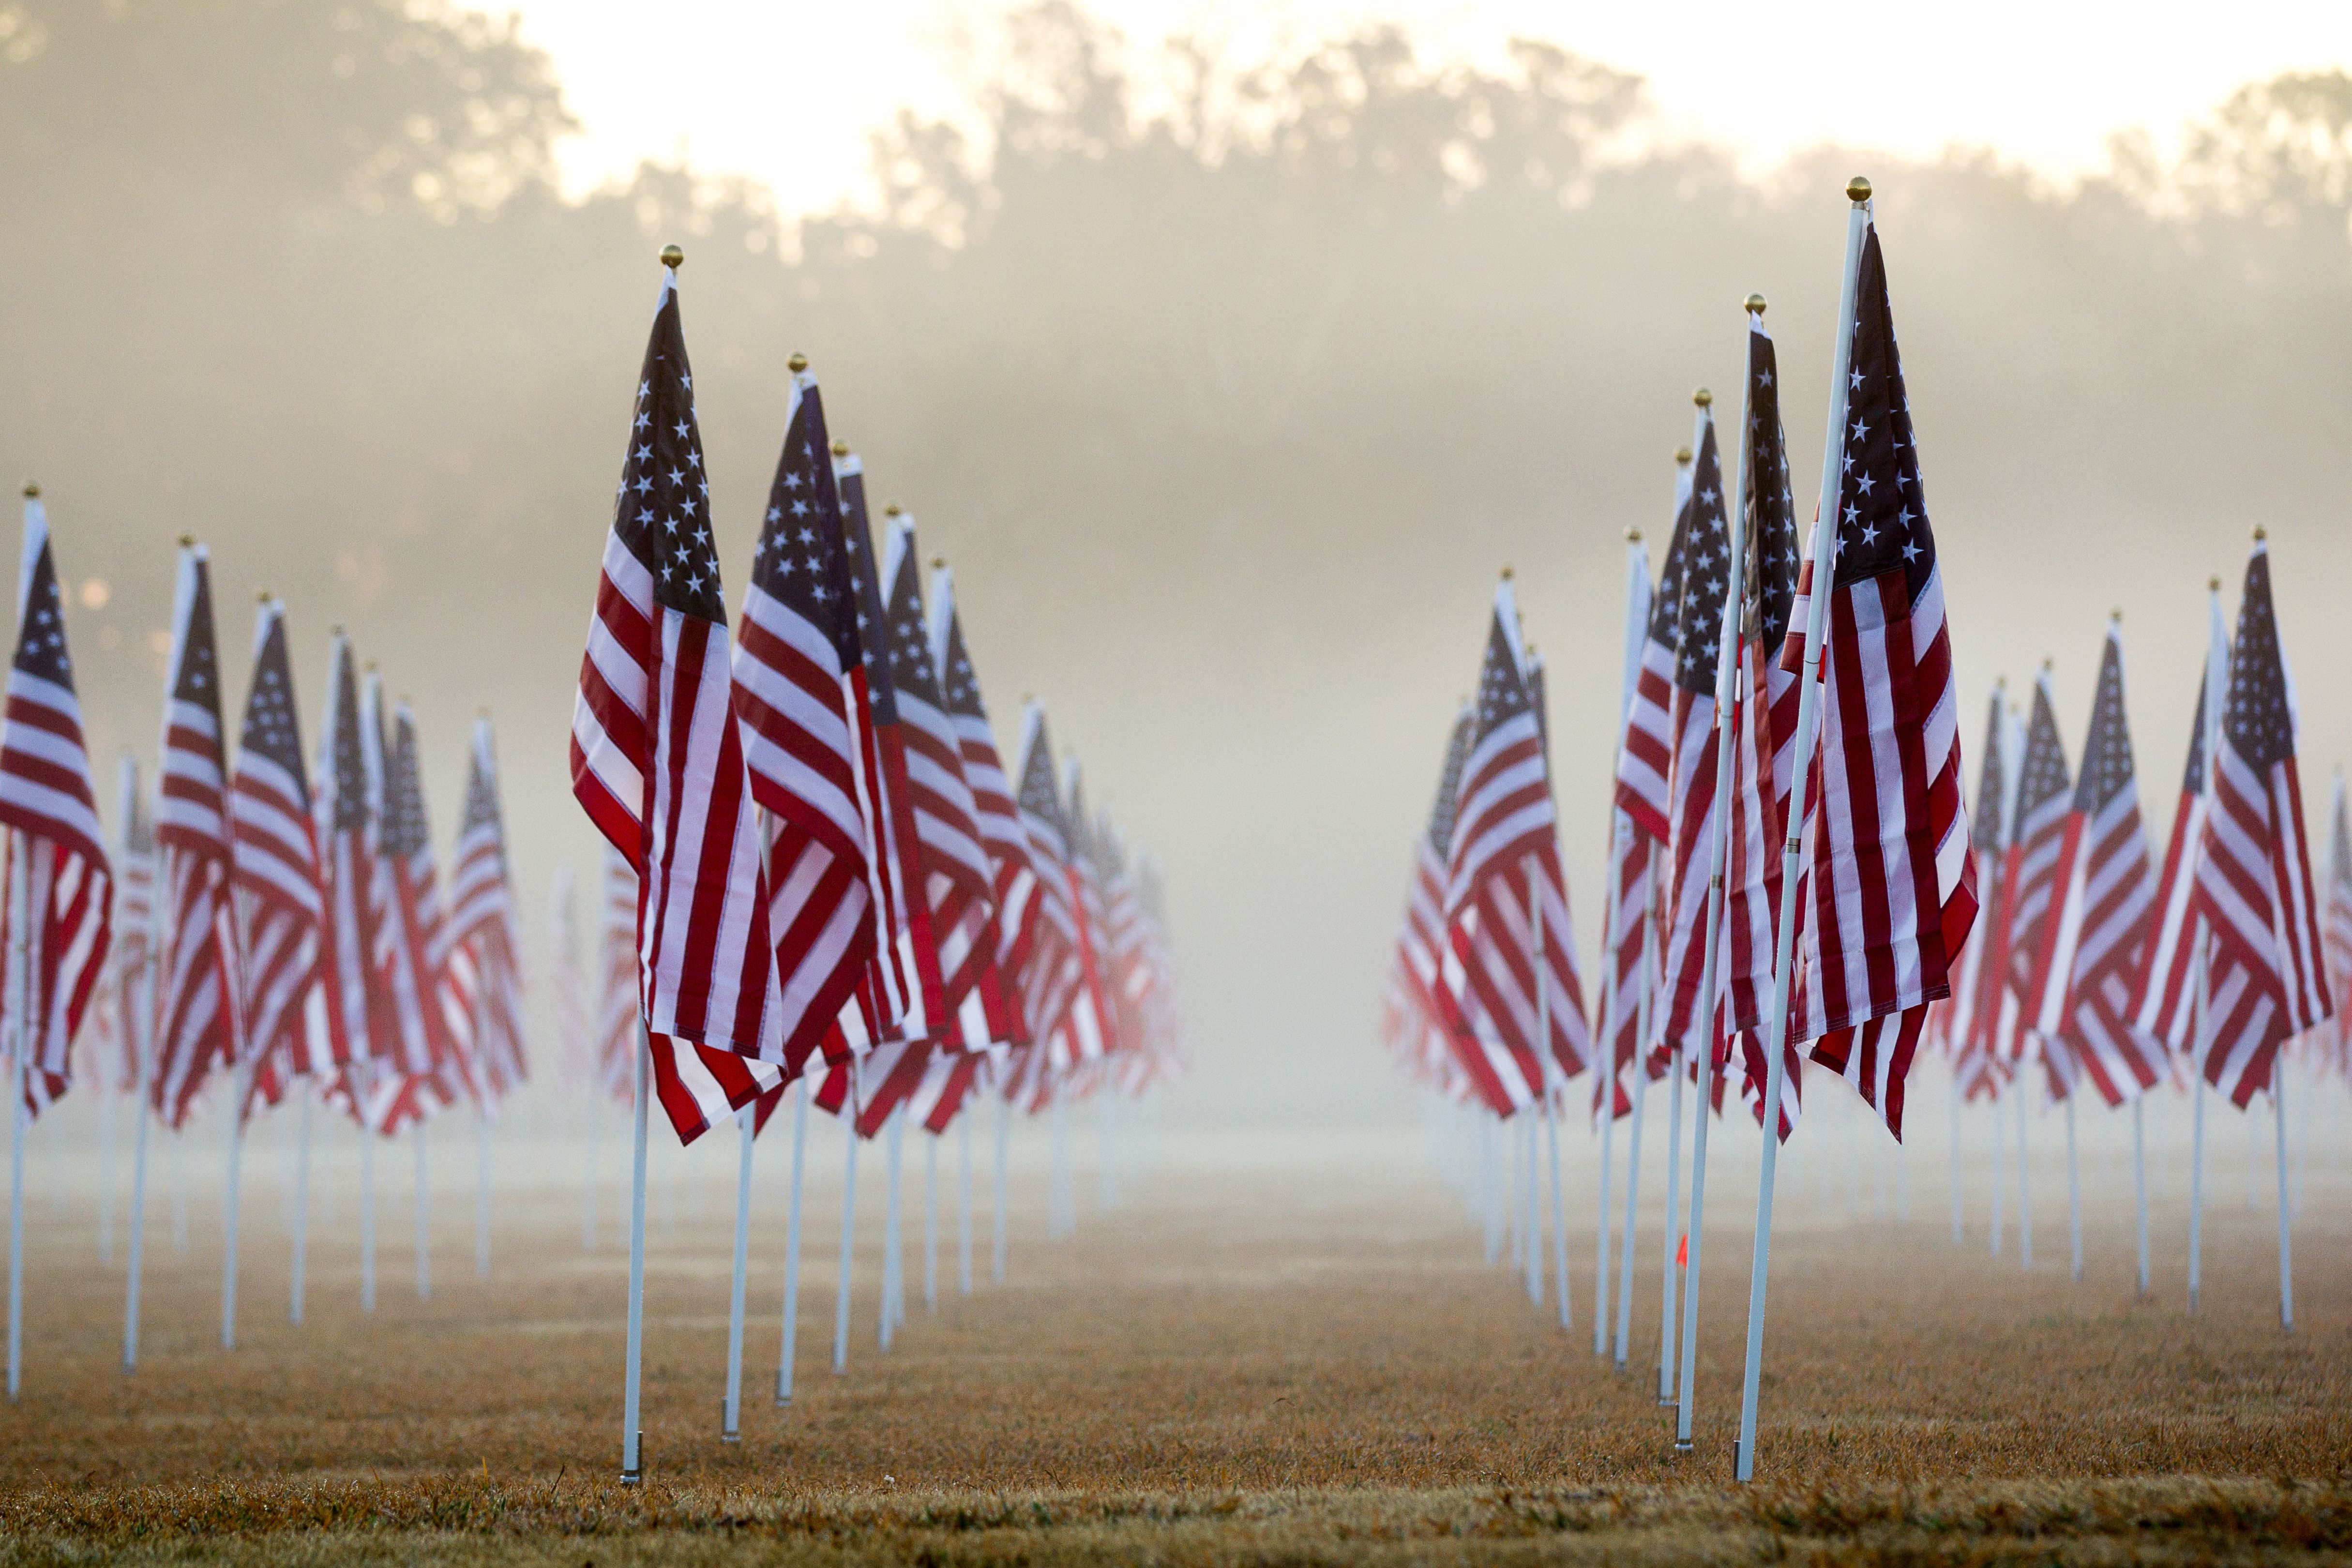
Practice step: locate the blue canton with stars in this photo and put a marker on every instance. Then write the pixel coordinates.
(1882, 519)
(799, 560)
(272, 728)
(41, 649)
(663, 510)
(2107, 749)
(350, 764)
(1769, 594)
(911, 670)
(199, 675)
(1704, 538)
(2192, 778)
(405, 831)
(1987, 833)
(1038, 796)
(1502, 691)
(1666, 604)
(958, 681)
(857, 541)
(2255, 719)
(1449, 787)
(2045, 760)
(482, 804)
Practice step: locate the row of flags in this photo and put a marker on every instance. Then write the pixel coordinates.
(819, 863)
(256, 919)
(1791, 860)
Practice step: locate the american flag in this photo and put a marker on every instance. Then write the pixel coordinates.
(799, 693)
(51, 813)
(1979, 1063)
(575, 1040)
(1096, 1007)
(1015, 889)
(2044, 798)
(901, 998)
(1625, 977)
(412, 942)
(197, 1023)
(1645, 756)
(2253, 869)
(118, 1022)
(1704, 533)
(1891, 890)
(2164, 998)
(1571, 1034)
(1050, 978)
(959, 882)
(616, 999)
(1764, 725)
(656, 756)
(344, 810)
(2104, 890)
(1504, 816)
(2337, 1041)
(483, 972)
(280, 899)
(1435, 1032)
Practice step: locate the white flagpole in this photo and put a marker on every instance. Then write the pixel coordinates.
(240, 1082)
(1621, 828)
(2074, 1194)
(19, 1078)
(1999, 1168)
(134, 986)
(2139, 1180)
(1634, 1152)
(1730, 696)
(1553, 1093)
(893, 1262)
(793, 1248)
(2196, 1155)
(1531, 1222)
(930, 1223)
(1063, 1201)
(2217, 680)
(180, 1191)
(424, 1217)
(730, 1430)
(848, 1227)
(2287, 1249)
(963, 1204)
(633, 1471)
(1824, 585)
(1003, 1161)
(481, 1191)
(367, 1217)
(1601, 1218)
(1670, 1275)
(1107, 1177)
(301, 1198)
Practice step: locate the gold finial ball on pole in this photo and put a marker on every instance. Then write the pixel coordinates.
(187, 542)
(797, 363)
(893, 509)
(841, 448)
(2048, 664)
(2214, 583)
(1507, 572)
(1702, 397)
(2117, 614)
(2260, 534)
(1756, 304)
(1682, 453)
(32, 491)
(1857, 190)
(673, 258)
(938, 562)
(1633, 536)
(261, 596)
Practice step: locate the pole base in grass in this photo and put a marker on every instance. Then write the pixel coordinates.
(1682, 1446)
(633, 1478)
(1665, 1404)
(731, 1437)
(1738, 1469)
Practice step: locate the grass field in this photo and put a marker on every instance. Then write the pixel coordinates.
(1271, 1352)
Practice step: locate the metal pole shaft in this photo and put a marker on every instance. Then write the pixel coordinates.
(891, 1258)
(367, 1218)
(731, 1429)
(793, 1248)
(2286, 1248)
(423, 1217)
(1824, 583)
(301, 1200)
(1669, 1270)
(1959, 1235)
(930, 1224)
(963, 1204)
(1602, 1219)
(632, 1439)
(481, 1191)
(997, 1246)
(240, 1082)
(2074, 1195)
(2196, 1184)
(2139, 1181)
(2024, 1188)
(1633, 1198)
(848, 1227)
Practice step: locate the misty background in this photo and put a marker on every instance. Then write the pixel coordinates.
(1226, 395)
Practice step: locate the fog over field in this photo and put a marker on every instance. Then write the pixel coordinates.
(1227, 404)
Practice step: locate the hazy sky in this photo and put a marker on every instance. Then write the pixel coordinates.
(787, 93)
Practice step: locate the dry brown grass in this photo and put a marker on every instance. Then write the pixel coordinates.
(1276, 1366)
